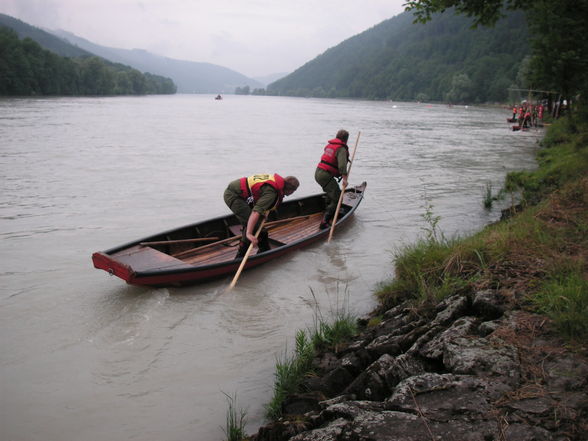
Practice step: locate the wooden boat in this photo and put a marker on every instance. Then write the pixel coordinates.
(207, 249)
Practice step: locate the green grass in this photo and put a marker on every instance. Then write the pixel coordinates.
(337, 328)
(488, 199)
(235, 420)
(564, 298)
(429, 270)
(326, 334)
(290, 372)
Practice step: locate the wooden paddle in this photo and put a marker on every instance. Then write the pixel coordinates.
(244, 261)
(343, 190)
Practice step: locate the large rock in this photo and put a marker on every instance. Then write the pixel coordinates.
(482, 357)
(443, 397)
(355, 421)
(436, 346)
(488, 304)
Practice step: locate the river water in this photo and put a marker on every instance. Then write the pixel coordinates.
(84, 357)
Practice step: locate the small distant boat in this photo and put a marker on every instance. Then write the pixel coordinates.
(207, 249)
(218, 97)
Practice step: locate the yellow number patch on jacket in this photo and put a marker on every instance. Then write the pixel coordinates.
(252, 180)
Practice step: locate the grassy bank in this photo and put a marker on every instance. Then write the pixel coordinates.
(537, 258)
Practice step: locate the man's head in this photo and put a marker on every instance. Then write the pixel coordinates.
(343, 135)
(291, 183)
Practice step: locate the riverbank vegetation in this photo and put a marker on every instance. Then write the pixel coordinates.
(327, 332)
(27, 69)
(537, 258)
(235, 419)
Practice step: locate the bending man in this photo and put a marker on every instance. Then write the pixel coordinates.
(249, 198)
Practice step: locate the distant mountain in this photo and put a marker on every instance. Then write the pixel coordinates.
(443, 60)
(189, 76)
(45, 39)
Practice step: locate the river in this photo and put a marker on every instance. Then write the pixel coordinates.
(85, 357)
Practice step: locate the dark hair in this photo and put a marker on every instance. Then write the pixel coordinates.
(292, 182)
(343, 135)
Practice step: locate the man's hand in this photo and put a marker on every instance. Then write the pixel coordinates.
(251, 223)
(251, 237)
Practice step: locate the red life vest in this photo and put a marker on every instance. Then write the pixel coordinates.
(251, 186)
(329, 159)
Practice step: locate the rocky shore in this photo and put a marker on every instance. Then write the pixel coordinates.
(474, 367)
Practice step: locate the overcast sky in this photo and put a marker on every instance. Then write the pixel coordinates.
(255, 38)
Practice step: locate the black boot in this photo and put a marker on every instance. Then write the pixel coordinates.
(242, 249)
(263, 242)
(326, 222)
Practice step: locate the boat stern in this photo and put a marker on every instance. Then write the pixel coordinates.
(113, 267)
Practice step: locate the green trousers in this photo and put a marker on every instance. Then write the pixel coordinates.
(240, 208)
(331, 189)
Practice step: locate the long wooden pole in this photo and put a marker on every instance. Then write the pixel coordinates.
(205, 247)
(244, 261)
(343, 190)
(170, 242)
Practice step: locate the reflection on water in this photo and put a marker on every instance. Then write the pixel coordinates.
(86, 357)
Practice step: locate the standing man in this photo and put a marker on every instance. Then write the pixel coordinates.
(333, 165)
(249, 198)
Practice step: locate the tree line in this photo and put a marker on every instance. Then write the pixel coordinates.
(463, 51)
(557, 65)
(26, 69)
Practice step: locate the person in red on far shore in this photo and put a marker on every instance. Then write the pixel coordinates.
(527, 118)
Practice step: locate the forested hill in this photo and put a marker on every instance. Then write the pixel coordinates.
(27, 68)
(443, 60)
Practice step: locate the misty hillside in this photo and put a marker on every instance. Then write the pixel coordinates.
(189, 76)
(443, 60)
(45, 39)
